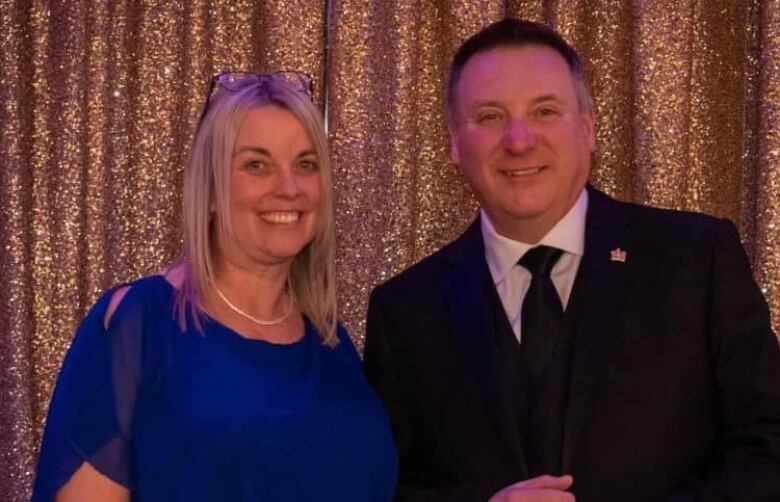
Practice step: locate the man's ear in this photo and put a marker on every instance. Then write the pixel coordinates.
(454, 152)
(212, 209)
(589, 124)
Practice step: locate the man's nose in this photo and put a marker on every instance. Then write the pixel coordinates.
(519, 136)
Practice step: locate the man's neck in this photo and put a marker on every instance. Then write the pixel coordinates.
(532, 231)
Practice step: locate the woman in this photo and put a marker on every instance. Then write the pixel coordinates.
(226, 377)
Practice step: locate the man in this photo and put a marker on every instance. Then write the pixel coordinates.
(569, 344)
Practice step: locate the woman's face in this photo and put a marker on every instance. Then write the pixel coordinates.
(275, 188)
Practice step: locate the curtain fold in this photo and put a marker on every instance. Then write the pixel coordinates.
(99, 102)
(398, 197)
(766, 193)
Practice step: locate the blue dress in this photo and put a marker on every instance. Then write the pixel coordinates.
(177, 415)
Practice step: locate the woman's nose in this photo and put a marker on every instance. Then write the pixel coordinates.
(287, 184)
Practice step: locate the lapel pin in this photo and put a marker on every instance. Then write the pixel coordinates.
(618, 254)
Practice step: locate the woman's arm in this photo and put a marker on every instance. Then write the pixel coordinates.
(87, 483)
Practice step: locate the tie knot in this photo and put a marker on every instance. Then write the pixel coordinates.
(540, 260)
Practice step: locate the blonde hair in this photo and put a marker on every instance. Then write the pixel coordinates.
(207, 186)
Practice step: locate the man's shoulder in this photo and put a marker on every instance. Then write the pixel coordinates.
(430, 274)
(677, 224)
(657, 223)
(425, 272)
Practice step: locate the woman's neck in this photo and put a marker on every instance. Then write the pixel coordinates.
(258, 290)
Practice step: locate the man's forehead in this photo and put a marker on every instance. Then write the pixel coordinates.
(533, 71)
(503, 62)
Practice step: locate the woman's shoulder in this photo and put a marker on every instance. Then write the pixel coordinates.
(343, 335)
(346, 344)
(151, 290)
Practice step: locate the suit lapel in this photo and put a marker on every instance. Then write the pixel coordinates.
(471, 308)
(600, 285)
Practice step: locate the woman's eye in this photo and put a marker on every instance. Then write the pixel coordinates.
(309, 165)
(256, 165)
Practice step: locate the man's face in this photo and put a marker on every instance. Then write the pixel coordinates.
(520, 138)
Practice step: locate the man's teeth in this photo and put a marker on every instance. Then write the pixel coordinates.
(280, 217)
(524, 172)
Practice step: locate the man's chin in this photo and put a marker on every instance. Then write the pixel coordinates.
(527, 213)
(524, 222)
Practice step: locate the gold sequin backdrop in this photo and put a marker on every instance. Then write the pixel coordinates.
(99, 100)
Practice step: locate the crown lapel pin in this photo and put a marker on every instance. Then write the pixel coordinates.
(618, 255)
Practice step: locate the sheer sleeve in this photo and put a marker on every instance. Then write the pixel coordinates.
(90, 415)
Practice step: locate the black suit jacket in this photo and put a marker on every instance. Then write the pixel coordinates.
(675, 380)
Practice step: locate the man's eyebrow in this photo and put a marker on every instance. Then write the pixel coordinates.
(487, 102)
(546, 97)
(498, 104)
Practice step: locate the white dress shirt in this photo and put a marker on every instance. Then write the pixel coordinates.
(512, 280)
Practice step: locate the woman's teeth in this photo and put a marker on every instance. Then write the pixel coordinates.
(288, 217)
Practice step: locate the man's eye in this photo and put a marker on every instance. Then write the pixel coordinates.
(547, 112)
(488, 117)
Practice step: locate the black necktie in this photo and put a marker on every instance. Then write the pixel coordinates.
(541, 317)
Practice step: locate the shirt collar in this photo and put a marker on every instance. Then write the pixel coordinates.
(502, 253)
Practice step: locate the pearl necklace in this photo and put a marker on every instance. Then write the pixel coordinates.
(261, 322)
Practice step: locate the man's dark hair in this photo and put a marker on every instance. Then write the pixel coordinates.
(510, 32)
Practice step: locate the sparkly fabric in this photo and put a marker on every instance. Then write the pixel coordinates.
(98, 102)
